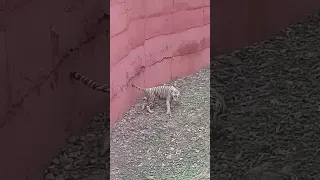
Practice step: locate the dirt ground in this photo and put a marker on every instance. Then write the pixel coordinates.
(152, 146)
(271, 129)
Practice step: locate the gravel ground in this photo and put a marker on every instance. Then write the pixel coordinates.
(79, 159)
(143, 145)
(152, 146)
(271, 129)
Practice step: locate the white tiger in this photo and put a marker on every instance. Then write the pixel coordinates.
(168, 93)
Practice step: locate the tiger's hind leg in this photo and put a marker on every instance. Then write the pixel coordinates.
(149, 105)
(144, 103)
(149, 110)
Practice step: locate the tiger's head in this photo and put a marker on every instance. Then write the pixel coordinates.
(175, 95)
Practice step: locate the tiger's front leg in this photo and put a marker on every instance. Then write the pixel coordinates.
(168, 106)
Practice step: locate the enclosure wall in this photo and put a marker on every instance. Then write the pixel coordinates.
(40, 43)
(239, 23)
(153, 42)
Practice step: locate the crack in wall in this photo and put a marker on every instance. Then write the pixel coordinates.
(126, 55)
(154, 63)
(142, 69)
(11, 112)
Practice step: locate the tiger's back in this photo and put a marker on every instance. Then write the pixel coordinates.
(161, 92)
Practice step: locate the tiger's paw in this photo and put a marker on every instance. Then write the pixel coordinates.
(169, 115)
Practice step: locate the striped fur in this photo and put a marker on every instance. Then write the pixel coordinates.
(217, 103)
(168, 93)
(90, 83)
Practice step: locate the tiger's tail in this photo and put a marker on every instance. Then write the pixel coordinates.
(89, 83)
(141, 89)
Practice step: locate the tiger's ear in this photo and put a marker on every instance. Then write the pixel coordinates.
(175, 84)
(178, 83)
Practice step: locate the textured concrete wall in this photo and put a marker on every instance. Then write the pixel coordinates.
(153, 42)
(40, 43)
(240, 23)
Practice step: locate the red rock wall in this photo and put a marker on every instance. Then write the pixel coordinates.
(154, 42)
(40, 106)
